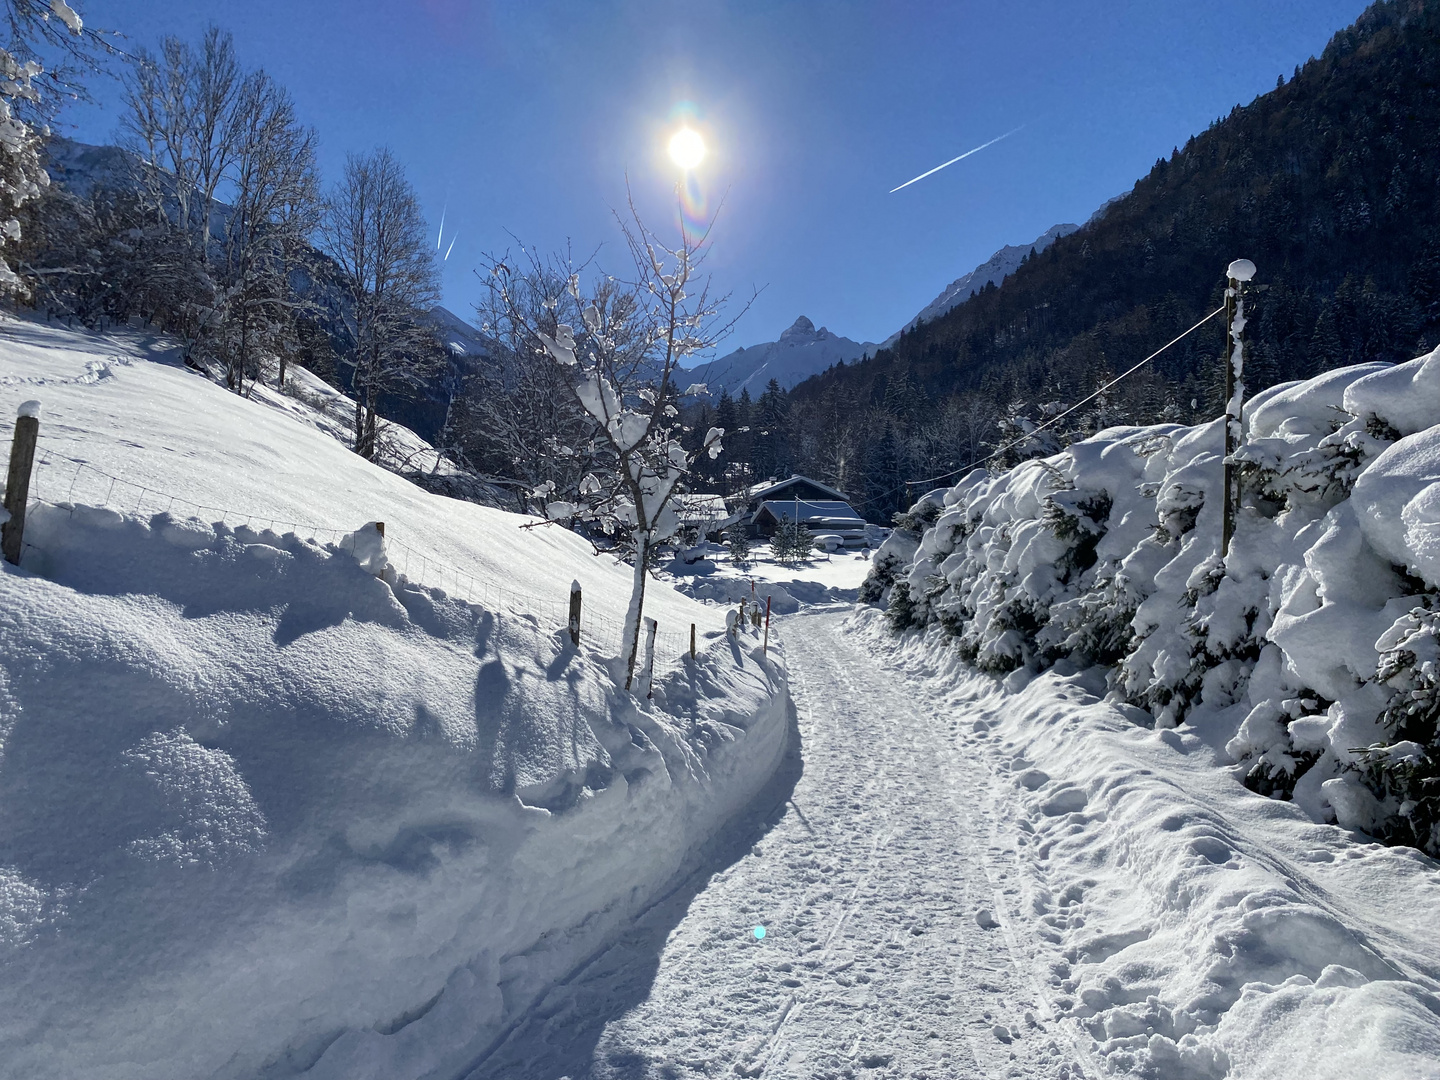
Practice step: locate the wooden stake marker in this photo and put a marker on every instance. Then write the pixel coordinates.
(575, 613)
(17, 482)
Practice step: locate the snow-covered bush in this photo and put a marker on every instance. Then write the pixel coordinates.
(897, 549)
(1406, 773)
(1310, 650)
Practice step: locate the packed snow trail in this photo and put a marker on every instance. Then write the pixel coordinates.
(882, 891)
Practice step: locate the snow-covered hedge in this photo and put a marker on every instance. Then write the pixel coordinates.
(1310, 653)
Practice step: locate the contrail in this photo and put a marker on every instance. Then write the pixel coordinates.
(441, 235)
(450, 248)
(952, 161)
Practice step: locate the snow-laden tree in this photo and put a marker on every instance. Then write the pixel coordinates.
(373, 229)
(793, 542)
(624, 355)
(739, 545)
(32, 28)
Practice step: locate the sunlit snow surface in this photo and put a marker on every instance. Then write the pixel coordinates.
(263, 811)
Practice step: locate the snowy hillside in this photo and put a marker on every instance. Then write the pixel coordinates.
(282, 794)
(802, 351)
(997, 268)
(81, 168)
(1264, 923)
(461, 339)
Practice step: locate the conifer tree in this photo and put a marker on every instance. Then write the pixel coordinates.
(739, 545)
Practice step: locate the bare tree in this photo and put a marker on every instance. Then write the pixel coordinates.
(373, 229)
(517, 415)
(226, 166)
(183, 124)
(624, 355)
(274, 210)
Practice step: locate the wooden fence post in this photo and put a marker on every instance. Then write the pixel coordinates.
(765, 650)
(651, 627)
(17, 483)
(575, 613)
(692, 641)
(380, 528)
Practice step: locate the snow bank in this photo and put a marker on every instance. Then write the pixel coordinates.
(1298, 653)
(269, 806)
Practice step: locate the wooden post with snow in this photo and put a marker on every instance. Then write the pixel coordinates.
(17, 482)
(765, 649)
(651, 626)
(575, 613)
(1239, 272)
(692, 641)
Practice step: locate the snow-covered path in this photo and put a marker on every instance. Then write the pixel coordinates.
(874, 879)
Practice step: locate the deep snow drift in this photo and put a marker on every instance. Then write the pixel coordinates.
(275, 798)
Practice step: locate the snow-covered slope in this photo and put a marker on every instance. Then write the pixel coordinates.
(461, 339)
(271, 804)
(802, 351)
(997, 268)
(81, 167)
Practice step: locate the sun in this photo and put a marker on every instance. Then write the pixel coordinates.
(687, 148)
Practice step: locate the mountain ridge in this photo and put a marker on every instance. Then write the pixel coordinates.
(800, 352)
(994, 270)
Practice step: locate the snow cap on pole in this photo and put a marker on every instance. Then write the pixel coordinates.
(1241, 270)
(29, 408)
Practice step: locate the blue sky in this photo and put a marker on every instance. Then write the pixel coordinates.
(525, 119)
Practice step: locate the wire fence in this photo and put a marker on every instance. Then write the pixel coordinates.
(68, 483)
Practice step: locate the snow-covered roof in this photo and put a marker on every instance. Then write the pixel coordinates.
(831, 515)
(769, 487)
(697, 504)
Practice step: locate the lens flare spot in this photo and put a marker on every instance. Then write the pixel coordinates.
(759, 933)
(687, 148)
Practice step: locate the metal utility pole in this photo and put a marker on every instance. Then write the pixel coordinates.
(1238, 274)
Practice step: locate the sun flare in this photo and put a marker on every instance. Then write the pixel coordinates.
(687, 148)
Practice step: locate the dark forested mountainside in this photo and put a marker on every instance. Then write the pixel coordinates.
(1329, 183)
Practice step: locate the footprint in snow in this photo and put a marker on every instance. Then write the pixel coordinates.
(1067, 801)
